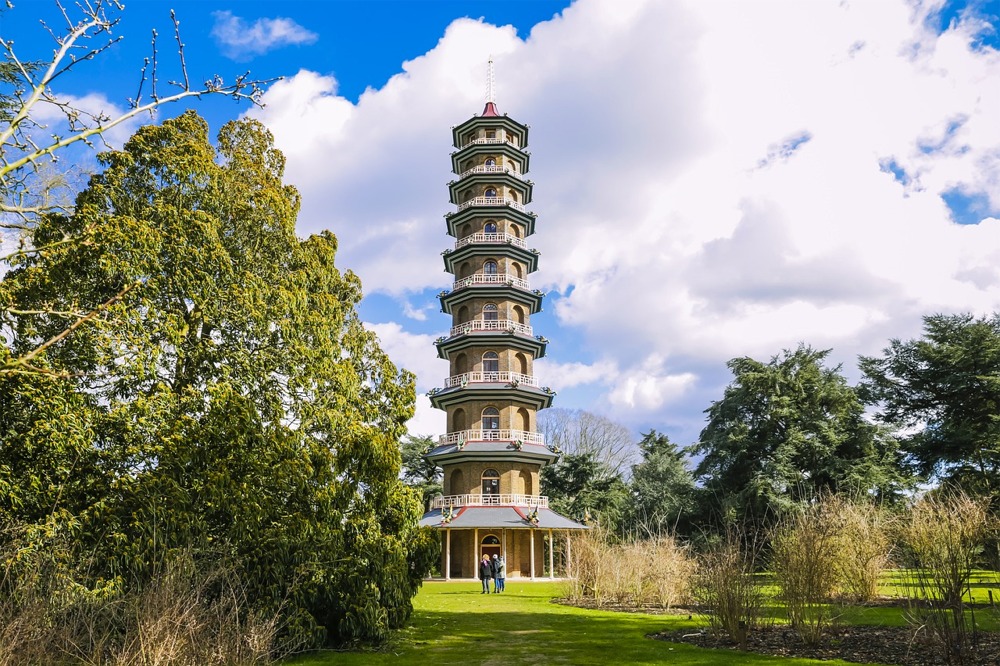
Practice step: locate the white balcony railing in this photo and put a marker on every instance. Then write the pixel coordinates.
(490, 168)
(494, 141)
(492, 278)
(502, 325)
(497, 238)
(491, 201)
(490, 378)
(540, 501)
(492, 436)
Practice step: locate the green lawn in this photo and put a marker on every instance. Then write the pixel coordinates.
(454, 623)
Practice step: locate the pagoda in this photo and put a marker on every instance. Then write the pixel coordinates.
(492, 453)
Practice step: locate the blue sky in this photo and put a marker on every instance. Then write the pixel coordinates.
(712, 178)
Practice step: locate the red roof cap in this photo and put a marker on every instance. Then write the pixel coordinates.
(490, 110)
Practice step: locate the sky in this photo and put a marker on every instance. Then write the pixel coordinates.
(713, 179)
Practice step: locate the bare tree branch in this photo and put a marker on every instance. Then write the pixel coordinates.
(26, 143)
(24, 362)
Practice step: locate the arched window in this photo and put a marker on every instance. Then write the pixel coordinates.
(491, 312)
(491, 161)
(456, 483)
(491, 134)
(490, 267)
(491, 482)
(491, 362)
(491, 418)
(490, 192)
(490, 227)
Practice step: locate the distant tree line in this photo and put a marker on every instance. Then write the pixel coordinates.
(791, 429)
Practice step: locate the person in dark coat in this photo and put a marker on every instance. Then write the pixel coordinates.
(485, 573)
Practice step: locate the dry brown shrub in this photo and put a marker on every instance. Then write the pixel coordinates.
(652, 573)
(864, 545)
(189, 615)
(727, 587)
(804, 560)
(944, 538)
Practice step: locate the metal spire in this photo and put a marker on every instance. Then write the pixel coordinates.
(490, 83)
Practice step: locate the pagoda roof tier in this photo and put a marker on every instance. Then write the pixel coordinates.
(499, 517)
(456, 343)
(455, 220)
(490, 147)
(492, 450)
(531, 299)
(530, 396)
(524, 187)
(489, 120)
(486, 249)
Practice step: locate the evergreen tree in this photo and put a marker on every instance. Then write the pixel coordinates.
(223, 398)
(943, 390)
(582, 487)
(661, 488)
(418, 472)
(784, 432)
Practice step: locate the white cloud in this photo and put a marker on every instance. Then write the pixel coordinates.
(415, 352)
(711, 178)
(568, 375)
(242, 40)
(89, 107)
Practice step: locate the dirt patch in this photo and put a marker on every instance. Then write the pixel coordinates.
(590, 604)
(884, 645)
(859, 644)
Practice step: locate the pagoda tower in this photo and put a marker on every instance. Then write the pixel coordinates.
(492, 453)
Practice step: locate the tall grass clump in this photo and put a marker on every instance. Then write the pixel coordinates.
(653, 573)
(53, 611)
(804, 560)
(864, 546)
(728, 589)
(944, 538)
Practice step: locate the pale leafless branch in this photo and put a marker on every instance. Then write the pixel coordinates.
(21, 363)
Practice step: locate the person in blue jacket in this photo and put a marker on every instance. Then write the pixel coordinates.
(499, 573)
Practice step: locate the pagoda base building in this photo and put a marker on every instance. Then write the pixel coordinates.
(492, 454)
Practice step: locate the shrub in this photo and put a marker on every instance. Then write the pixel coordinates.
(944, 538)
(727, 588)
(53, 611)
(655, 572)
(804, 560)
(864, 545)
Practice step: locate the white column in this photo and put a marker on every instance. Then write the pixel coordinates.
(569, 555)
(447, 553)
(552, 547)
(531, 537)
(475, 553)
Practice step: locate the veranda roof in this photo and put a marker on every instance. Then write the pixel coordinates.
(500, 517)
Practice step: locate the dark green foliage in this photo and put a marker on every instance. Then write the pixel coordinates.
(786, 431)
(418, 472)
(583, 488)
(662, 488)
(228, 399)
(945, 390)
